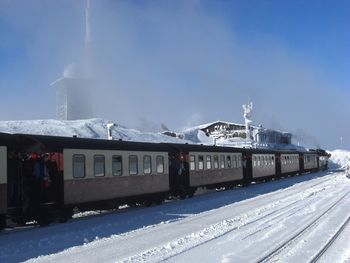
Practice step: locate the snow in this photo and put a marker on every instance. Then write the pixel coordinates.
(299, 215)
(239, 225)
(91, 128)
(97, 129)
(340, 159)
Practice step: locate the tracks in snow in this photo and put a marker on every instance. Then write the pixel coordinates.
(246, 225)
(285, 205)
(330, 242)
(306, 228)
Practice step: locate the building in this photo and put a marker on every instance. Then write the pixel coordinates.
(73, 90)
(260, 136)
(73, 100)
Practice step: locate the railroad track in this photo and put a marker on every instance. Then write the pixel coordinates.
(229, 225)
(292, 239)
(330, 242)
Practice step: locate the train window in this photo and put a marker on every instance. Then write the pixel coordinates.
(273, 160)
(239, 161)
(78, 166)
(192, 163)
(200, 162)
(228, 158)
(133, 167)
(216, 162)
(117, 165)
(234, 161)
(222, 161)
(147, 164)
(160, 164)
(254, 160)
(258, 160)
(208, 162)
(99, 165)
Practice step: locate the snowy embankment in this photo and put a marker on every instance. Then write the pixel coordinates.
(289, 220)
(340, 159)
(92, 128)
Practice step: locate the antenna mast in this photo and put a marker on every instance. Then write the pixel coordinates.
(247, 109)
(87, 23)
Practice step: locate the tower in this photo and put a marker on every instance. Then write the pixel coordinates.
(247, 109)
(73, 98)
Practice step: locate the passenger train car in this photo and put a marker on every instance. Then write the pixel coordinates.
(45, 178)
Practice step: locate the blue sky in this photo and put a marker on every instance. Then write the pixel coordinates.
(186, 62)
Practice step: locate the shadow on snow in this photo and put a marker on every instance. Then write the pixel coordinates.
(25, 244)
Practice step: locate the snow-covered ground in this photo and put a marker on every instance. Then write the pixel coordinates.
(295, 219)
(97, 129)
(289, 220)
(340, 159)
(91, 128)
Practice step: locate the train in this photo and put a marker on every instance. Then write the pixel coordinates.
(47, 178)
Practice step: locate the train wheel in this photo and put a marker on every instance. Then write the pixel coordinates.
(183, 195)
(148, 202)
(2, 222)
(245, 183)
(66, 215)
(43, 220)
(158, 200)
(191, 192)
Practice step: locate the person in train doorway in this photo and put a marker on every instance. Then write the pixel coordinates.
(181, 165)
(41, 176)
(14, 170)
(28, 182)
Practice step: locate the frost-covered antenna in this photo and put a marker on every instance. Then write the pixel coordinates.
(88, 41)
(109, 130)
(247, 109)
(341, 142)
(87, 23)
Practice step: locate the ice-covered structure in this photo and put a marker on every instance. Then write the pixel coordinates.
(246, 135)
(73, 89)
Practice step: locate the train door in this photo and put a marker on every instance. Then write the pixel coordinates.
(247, 168)
(179, 172)
(38, 184)
(3, 186)
(278, 165)
(14, 178)
(301, 163)
(56, 178)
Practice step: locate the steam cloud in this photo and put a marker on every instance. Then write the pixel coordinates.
(174, 62)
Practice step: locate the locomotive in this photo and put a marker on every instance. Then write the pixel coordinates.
(44, 178)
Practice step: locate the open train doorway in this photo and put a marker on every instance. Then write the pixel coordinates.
(34, 184)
